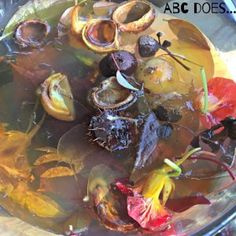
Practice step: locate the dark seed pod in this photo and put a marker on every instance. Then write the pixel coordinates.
(174, 116)
(164, 115)
(159, 34)
(161, 113)
(230, 124)
(123, 61)
(147, 46)
(112, 132)
(166, 44)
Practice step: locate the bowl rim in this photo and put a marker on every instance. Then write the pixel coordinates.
(211, 229)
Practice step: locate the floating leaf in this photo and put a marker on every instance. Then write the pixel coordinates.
(123, 81)
(188, 32)
(59, 171)
(42, 206)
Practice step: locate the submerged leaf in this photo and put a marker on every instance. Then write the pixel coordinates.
(47, 158)
(148, 141)
(59, 171)
(38, 204)
(47, 149)
(101, 176)
(42, 206)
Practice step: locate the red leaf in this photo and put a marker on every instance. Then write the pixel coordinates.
(183, 204)
(222, 101)
(122, 186)
(147, 212)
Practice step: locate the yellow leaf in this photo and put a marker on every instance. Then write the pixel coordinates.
(13, 144)
(154, 184)
(42, 206)
(18, 195)
(6, 188)
(14, 172)
(37, 203)
(59, 171)
(47, 158)
(167, 190)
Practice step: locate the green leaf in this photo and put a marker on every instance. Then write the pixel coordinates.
(47, 10)
(205, 89)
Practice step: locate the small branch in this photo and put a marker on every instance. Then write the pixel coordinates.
(231, 174)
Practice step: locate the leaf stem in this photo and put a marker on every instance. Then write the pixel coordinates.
(32, 116)
(176, 59)
(175, 167)
(205, 88)
(187, 155)
(117, 66)
(231, 174)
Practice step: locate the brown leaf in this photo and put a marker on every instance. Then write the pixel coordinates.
(59, 171)
(188, 32)
(51, 157)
